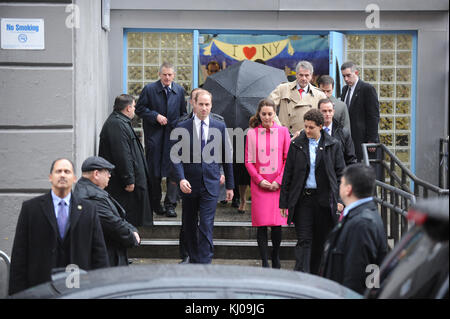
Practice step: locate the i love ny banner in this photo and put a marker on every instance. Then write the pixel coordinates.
(251, 52)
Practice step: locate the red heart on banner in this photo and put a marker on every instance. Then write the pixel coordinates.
(249, 52)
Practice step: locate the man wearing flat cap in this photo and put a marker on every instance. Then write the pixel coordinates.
(119, 234)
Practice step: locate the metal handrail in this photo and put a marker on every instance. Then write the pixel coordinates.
(7, 260)
(405, 172)
(443, 163)
(394, 204)
(396, 198)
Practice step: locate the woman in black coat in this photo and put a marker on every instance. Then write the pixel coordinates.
(312, 209)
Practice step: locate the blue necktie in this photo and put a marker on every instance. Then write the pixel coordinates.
(327, 130)
(167, 89)
(202, 135)
(62, 218)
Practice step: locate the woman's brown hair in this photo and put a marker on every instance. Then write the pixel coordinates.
(255, 120)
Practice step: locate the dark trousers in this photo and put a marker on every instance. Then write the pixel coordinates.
(170, 201)
(313, 223)
(198, 213)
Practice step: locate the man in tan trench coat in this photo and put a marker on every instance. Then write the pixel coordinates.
(296, 98)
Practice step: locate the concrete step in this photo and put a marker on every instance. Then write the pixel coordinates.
(285, 264)
(223, 249)
(222, 230)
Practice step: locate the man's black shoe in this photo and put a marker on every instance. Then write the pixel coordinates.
(171, 212)
(160, 210)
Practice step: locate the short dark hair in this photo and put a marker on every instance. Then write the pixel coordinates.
(122, 101)
(362, 178)
(349, 65)
(60, 159)
(314, 115)
(324, 101)
(325, 80)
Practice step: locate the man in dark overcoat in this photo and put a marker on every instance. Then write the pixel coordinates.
(119, 234)
(160, 106)
(359, 239)
(363, 108)
(309, 189)
(120, 145)
(55, 230)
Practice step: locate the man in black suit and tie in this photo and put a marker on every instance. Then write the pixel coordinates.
(358, 240)
(55, 230)
(336, 130)
(363, 107)
(196, 168)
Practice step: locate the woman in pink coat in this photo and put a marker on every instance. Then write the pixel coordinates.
(265, 156)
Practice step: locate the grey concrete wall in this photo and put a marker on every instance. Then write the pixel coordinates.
(37, 122)
(429, 19)
(53, 102)
(91, 73)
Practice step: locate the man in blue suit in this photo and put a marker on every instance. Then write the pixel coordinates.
(196, 168)
(160, 106)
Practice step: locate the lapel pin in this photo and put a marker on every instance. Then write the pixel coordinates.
(80, 207)
(321, 148)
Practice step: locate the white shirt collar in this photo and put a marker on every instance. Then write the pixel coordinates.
(198, 121)
(170, 86)
(354, 85)
(305, 89)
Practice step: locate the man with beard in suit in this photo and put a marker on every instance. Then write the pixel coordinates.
(55, 230)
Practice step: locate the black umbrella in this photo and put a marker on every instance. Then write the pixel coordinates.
(237, 90)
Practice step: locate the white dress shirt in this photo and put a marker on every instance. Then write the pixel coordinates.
(351, 90)
(198, 124)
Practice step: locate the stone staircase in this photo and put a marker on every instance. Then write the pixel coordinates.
(234, 239)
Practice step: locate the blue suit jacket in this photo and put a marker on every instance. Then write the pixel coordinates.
(192, 167)
(153, 101)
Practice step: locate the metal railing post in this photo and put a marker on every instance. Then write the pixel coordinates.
(396, 197)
